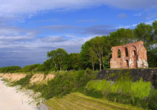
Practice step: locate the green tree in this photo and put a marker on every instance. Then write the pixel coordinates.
(61, 56)
(144, 32)
(122, 36)
(75, 63)
(97, 45)
(53, 54)
(154, 24)
(84, 59)
(92, 57)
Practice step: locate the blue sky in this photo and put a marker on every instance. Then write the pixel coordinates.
(31, 28)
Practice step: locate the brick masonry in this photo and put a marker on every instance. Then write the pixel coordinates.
(133, 55)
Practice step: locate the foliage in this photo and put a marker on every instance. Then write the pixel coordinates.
(99, 85)
(24, 81)
(140, 89)
(58, 56)
(37, 87)
(66, 83)
(93, 93)
(152, 100)
(84, 55)
(29, 68)
(10, 69)
(123, 90)
(92, 57)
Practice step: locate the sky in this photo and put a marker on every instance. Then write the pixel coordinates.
(31, 28)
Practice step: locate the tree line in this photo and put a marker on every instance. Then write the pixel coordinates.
(96, 52)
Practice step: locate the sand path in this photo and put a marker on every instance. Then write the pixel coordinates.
(11, 100)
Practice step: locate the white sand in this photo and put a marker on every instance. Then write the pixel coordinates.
(11, 100)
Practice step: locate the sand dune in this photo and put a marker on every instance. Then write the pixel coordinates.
(10, 100)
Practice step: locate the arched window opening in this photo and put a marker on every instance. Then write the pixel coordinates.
(127, 63)
(126, 52)
(134, 52)
(119, 54)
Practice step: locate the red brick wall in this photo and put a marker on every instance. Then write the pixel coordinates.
(137, 56)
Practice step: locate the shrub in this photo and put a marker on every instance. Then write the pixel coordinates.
(99, 85)
(46, 72)
(65, 83)
(93, 93)
(88, 71)
(117, 97)
(152, 100)
(24, 81)
(140, 89)
(10, 69)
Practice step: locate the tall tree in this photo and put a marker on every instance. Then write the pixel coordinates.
(53, 54)
(61, 56)
(97, 45)
(92, 57)
(144, 32)
(74, 60)
(84, 55)
(122, 36)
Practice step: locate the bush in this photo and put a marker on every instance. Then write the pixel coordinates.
(24, 81)
(123, 90)
(63, 84)
(93, 93)
(140, 89)
(99, 85)
(10, 69)
(46, 72)
(117, 97)
(152, 100)
(30, 68)
(88, 71)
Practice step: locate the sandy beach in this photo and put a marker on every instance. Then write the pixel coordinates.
(10, 99)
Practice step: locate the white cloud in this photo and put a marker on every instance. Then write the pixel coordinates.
(149, 22)
(123, 27)
(26, 50)
(138, 14)
(53, 39)
(15, 38)
(134, 25)
(31, 7)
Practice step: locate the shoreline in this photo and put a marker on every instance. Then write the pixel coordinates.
(12, 99)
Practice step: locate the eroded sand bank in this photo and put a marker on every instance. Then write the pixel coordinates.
(10, 99)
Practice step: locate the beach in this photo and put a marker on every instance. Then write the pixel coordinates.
(10, 99)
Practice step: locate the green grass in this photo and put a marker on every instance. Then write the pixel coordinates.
(78, 101)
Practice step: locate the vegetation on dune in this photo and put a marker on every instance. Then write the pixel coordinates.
(10, 69)
(24, 81)
(123, 90)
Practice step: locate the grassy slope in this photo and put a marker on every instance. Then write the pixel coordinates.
(78, 101)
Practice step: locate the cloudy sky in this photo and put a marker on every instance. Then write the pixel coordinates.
(31, 28)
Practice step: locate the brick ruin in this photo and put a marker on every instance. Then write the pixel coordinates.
(133, 55)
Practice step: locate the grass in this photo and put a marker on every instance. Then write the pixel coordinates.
(77, 101)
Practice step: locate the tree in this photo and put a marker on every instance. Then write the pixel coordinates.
(61, 56)
(144, 32)
(122, 36)
(84, 59)
(74, 60)
(53, 54)
(97, 45)
(92, 57)
(154, 24)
